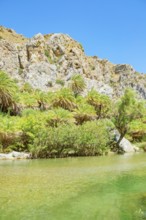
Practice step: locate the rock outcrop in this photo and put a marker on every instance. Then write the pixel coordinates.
(125, 145)
(15, 155)
(45, 59)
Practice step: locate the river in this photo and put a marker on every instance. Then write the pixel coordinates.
(84, 188)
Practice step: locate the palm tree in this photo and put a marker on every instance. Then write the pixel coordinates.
(8, 90)
(26, 88)
(42, 99)
(77, 84)
(64, 99)
(101, 103)
(85, 112)
(59, 116)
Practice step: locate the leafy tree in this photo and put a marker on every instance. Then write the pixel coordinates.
(77, 84)
(101, 103)
(8, 90)
(129, 108)
(92, 138)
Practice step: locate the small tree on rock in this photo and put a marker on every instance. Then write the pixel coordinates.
(128, 109)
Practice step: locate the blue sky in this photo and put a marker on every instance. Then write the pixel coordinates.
(111, 29)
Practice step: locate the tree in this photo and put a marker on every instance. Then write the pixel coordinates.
(77, 84)
(84, 112)
(128, 109)
(64, 99)
(8, 90)
(59, 116)
(42, 99)
(101, 103)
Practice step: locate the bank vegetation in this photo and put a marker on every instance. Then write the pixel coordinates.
(67, 122)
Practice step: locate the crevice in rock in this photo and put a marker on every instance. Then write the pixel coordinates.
(20, 63)
(28, 53)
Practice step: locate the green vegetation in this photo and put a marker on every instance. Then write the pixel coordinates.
(60, 82)
(128, 109)
(64, 99)
(8, 90)
(47, 54)
(77, 84)
(101, 103)
(81, 46)
(64, 123)
(83, 113)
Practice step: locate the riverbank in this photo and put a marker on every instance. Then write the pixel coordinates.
(64, 123)
(14, 155)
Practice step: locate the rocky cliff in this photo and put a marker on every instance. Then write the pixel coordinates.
(49, 61)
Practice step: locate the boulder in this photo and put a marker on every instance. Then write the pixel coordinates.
(2, 156)
(127, 147)
(124, 69)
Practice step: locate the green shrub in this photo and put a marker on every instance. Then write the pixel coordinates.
(70, 125)
(47, 54)
(26, 87)
(89, 139)
(60, 82)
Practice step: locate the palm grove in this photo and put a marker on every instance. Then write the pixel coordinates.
(64, 123)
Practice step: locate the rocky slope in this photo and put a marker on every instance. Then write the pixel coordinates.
(48, 61)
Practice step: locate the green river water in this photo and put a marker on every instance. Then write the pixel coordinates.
(87, 188)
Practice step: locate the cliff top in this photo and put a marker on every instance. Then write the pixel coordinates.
(11, 36)
(48, 62)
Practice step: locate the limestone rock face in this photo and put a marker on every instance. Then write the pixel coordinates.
(8, 57)
(44, 59)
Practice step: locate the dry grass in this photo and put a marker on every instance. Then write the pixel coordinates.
(11, 36)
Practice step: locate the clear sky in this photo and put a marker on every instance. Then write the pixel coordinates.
(111, 29)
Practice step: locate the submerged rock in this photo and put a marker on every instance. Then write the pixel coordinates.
(15, 155)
